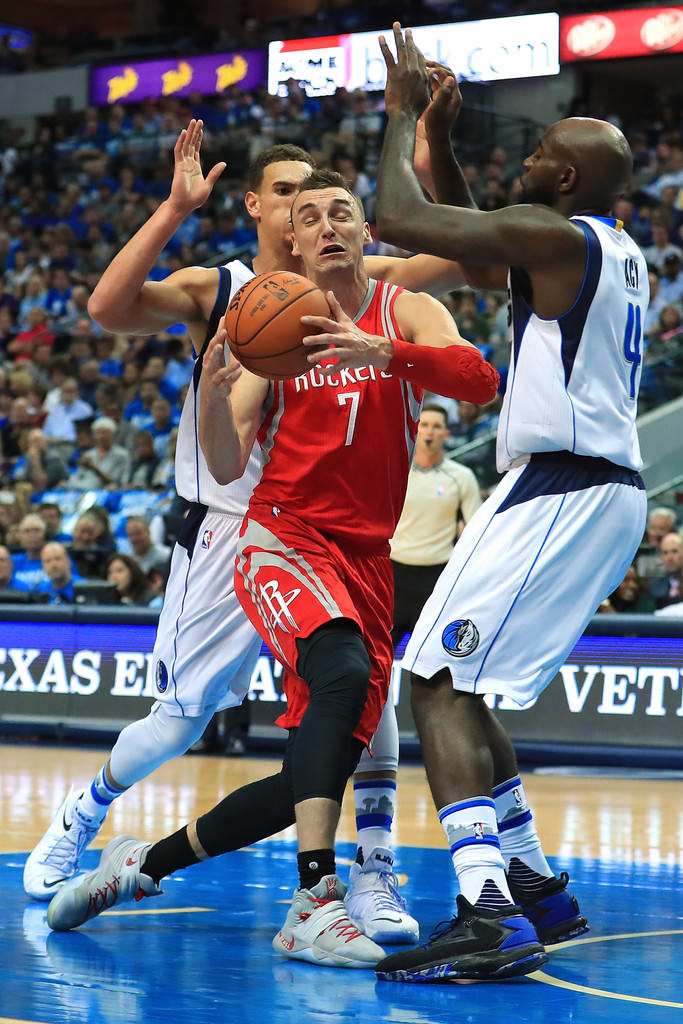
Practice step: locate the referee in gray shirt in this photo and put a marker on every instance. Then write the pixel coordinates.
(439, 492)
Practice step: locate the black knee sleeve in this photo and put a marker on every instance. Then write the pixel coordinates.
(336, 668)
(253, 812)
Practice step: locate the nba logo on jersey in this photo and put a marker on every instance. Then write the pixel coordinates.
(206, 538)
(460, 638)
(478, 829)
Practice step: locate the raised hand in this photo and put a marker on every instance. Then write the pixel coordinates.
(217, 376)
(446, 103)
(190, 188)
(343, 341)
(407, 89)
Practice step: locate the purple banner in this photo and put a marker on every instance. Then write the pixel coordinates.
(179, 76)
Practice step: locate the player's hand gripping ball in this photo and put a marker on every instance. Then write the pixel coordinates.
(263, 324)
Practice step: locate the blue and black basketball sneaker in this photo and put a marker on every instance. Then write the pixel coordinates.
(477, 945)
(553, 911)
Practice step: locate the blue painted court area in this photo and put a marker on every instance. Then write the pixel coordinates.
(202, 952)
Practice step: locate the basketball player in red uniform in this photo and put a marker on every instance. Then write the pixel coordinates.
(313, 571)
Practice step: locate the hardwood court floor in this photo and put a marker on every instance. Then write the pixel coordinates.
(203, 953)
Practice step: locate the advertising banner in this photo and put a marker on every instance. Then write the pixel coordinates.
(614, 689)
(638, 32)
(177, 76)
(482, 51)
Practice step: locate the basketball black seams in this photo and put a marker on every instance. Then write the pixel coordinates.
(278, 311)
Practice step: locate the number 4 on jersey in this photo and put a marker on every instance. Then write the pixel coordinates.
(632, 339)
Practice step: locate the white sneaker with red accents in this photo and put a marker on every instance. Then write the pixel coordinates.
(318, 929)
(117, 879)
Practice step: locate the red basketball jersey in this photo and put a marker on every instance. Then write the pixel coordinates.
(337, 450)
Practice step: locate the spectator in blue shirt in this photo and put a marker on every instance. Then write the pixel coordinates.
(155, 369)
(59, 294)
(57, 566)
(180, 363)
(7, 579)
(139, 411)
(35, 295)
(28, 565)
(51, 514)
(61, 423)
(228, 235)
(164, 419)
(671, 280)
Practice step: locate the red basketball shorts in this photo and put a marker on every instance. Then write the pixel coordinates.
(290, 580)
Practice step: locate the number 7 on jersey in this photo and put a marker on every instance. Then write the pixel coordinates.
(354, 398)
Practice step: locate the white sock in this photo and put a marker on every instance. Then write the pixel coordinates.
(519, 840)
(94, 802)
(472, 834)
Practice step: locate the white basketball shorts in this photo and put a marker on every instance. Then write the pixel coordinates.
(206, 649)
(528, 573)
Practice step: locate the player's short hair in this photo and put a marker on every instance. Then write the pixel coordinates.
(433, 407)
(275, 155)
(321, 177)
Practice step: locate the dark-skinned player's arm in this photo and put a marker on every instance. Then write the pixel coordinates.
(421, 273)
(124, 301)
(532, 237)
(433, 356)
(230, 411)
(448, 183)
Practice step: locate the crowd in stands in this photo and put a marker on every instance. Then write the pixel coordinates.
(88, 419)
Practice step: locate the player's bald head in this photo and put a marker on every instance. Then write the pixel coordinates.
(600, 155)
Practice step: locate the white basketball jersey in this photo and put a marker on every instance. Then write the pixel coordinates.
(193, 479)
(573, 382)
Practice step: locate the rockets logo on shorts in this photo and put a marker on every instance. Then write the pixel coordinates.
(460, 638)
(206, 538)
(277, 605)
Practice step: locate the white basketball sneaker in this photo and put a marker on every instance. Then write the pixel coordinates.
(117, 879)
(374, 902)
(56, 857)
(318, 929)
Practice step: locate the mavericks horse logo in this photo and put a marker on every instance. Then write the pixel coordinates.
(460, 638)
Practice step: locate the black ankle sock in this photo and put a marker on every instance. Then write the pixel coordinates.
(169, 855)
(525, 878)
(314, 865)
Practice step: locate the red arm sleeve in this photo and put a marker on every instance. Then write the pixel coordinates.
(458, 371)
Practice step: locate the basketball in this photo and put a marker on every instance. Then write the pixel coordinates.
(263, 323)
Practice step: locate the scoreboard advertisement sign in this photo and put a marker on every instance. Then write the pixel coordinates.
(622, 685)
(176, 76)
(481, 51)
(637, 32)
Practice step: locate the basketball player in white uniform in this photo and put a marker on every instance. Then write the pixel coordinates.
(557, 535)
(206, 649)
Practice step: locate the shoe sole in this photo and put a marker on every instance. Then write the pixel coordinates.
(310, 956)
(531, 960)
(563, 932)
(394, 938)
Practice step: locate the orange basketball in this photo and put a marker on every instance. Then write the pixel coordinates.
(263, 323)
